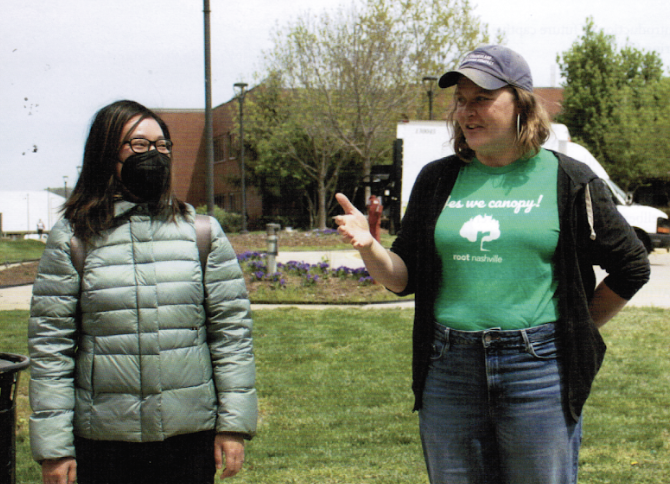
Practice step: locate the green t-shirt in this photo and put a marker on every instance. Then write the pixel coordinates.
(496, 238)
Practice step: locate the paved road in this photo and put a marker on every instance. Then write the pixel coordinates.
(655, 293)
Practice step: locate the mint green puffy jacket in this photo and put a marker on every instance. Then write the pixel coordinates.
(145, 351)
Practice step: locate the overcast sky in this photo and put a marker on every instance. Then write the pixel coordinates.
(62, 60)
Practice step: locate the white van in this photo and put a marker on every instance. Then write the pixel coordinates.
(426, 141)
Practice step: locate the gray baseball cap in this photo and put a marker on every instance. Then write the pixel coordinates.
(492, 67)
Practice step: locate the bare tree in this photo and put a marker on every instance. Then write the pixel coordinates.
(351, 75)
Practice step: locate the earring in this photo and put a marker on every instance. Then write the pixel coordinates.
(518, 126)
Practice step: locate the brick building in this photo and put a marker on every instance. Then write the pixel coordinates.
(189, 168)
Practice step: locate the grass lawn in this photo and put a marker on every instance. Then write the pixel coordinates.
(20, 250)
(335, 400)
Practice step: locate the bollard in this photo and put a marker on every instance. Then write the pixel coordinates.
(10, 366)
(273, 250)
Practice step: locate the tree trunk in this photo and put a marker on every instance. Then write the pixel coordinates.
(321, 214)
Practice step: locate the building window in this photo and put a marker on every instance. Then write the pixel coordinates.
(220, 148)
(230, 202)
(225, 147)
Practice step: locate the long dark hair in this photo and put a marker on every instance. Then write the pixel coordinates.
(90, 207)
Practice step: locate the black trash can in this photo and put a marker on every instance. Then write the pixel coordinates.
(10, 366)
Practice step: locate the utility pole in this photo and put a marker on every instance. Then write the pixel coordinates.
(240, 88)
(209, 131)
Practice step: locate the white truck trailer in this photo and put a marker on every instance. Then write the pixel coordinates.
(426, 141)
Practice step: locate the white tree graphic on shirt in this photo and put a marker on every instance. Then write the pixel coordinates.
(484, 224)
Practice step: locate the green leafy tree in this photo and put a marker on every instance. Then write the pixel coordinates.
(297, 159)
(349, 76)
(613, 103)
(592, 72)
(637, 143)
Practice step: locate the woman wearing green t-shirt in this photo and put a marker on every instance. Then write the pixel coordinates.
(497, 244)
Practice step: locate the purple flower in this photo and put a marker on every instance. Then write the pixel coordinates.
(365, 281)
(255, 265)
(310, 280)
(259, 275)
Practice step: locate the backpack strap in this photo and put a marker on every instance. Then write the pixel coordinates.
(78, 254)
(203, 238)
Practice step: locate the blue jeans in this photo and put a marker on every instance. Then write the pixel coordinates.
(495, 410)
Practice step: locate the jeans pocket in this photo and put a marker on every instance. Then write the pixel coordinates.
(543, 350)
(437, 350)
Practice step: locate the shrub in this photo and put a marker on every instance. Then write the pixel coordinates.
(229, 221)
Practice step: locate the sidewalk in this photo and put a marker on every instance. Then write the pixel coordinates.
(19, 297)
(15, 298)
(336, 258)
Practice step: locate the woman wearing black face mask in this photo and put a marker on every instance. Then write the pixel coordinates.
(146, 173)
(143, 368)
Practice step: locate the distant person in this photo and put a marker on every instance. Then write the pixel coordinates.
(142, 368)
(498, 243)
(375, 211)
(40, 228)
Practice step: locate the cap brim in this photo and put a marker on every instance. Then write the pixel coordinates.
(482, 79)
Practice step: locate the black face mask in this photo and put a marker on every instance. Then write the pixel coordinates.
(146, 175)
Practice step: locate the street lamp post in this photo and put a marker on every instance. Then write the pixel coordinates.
(209, 129)
(240, 91)
(65, 185)
(428, 82)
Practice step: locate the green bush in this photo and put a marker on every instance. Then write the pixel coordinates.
(230, 221)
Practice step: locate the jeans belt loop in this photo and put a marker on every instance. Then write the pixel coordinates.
(526, 341)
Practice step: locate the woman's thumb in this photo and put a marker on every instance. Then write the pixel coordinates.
(344, 203)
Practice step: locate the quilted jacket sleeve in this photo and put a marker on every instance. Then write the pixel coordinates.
(229, 327)
(52, 333)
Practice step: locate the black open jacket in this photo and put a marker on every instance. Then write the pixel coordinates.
(592, 232)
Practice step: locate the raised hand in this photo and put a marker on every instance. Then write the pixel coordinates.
(353, 225)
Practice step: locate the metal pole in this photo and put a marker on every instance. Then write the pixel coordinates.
(430, 105)
(273, 250)
(209, 131)
(244, 171)
(241, 87)
(428, 86)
